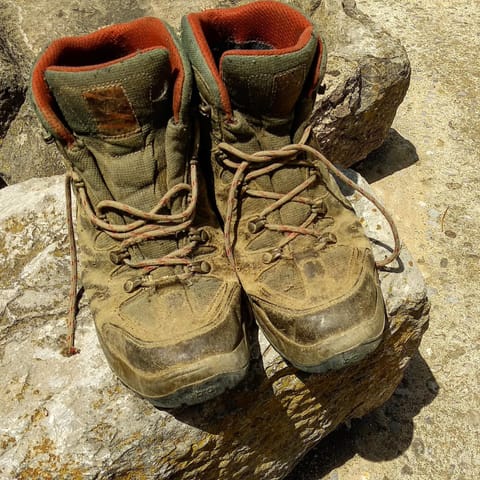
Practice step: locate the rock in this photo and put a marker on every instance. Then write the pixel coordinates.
(24, 153)
(29, 27)
(71, 418)
(367, 72)
(367, 77)
(11, 92)
(12, 88)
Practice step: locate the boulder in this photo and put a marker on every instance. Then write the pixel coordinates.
(11, 92)
(367, 72)
(24, 153)
(71, 418)
(12, 88)
(367, 77)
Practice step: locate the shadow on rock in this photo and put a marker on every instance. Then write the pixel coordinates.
(235, 417)
(219, 415)
(382, 435)
(397, 265)
(209, 416)
(395, 154)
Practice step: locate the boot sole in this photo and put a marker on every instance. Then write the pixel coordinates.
(200, 392)
(343, 359)
(234, 366)
(337, 361)
(212, 386)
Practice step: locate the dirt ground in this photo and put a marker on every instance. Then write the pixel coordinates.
(428, 176)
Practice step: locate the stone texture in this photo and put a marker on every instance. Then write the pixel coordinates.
(24, 153)
(12, 88)
(29, 26)
(429, 178)
(71, 418)
(11, 92)
(367, 72)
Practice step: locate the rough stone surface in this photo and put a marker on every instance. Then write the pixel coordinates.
(428, 175)
(11, 92)
(71, 418)
(24, 153)
(12, 88)
(367, 72)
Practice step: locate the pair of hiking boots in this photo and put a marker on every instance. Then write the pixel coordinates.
(193, 188)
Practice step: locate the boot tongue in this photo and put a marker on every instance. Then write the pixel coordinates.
(114, 99)
(266, 82)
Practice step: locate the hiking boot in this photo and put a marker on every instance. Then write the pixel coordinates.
(166, 302)
(297, 246)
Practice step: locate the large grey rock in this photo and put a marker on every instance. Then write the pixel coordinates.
(367, 71)
(367, 77)
(28, 26)
(12, 92)
(71, 418)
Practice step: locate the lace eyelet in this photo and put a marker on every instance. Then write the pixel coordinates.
(272, 256)
(131, 285)
(48, 138)
(205, 110)
(327, 239)
(256, 225)
(232, 120)
(319, 208)
(199, 236)
(117, 256)
(331, 237)
(200, 267)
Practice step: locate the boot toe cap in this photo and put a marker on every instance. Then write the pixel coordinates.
(175, 365)
(328, 335)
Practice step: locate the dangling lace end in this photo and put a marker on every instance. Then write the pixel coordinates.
(70, 348)
(69, 351)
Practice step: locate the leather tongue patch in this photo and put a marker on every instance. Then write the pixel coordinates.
(287, 87)
(263, 84)
(111, 110)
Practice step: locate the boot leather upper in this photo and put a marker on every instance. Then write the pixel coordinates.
(318, 298)
(118, 105)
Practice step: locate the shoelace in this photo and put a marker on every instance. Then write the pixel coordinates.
(267, 161)
(149, 225)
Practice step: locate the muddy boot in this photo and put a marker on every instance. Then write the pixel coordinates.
(299, 250)
(165, 300)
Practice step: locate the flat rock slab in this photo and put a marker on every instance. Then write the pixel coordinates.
(71, 418)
